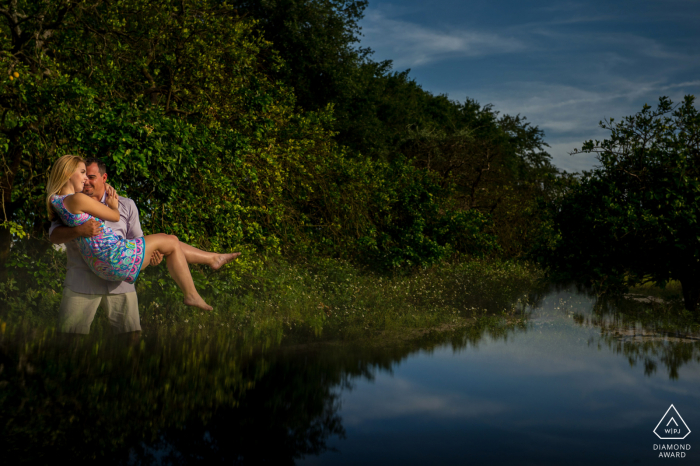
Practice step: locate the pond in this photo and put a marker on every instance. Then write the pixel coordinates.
(573, 381)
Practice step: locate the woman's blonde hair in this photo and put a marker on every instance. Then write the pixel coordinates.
(61, 172)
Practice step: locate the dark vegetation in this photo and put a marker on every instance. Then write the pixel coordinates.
(634, 219)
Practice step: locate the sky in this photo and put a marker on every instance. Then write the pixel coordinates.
(565, 65)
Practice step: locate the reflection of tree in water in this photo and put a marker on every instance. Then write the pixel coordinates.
(288, 414)
(651, 334)
(200, 396)
(189, 398)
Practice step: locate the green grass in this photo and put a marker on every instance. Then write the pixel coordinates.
(327, 299)
(333, 299)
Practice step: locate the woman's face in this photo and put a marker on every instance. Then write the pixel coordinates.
(78, 178)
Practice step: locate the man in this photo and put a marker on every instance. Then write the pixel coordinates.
(83, 291)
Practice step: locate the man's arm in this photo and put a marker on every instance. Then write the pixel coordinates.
(134, 231)
(133, 224)
(64, 234)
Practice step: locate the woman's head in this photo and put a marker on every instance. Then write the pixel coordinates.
(69, 168)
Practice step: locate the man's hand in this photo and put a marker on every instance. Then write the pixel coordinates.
(156, 258)
(89, 229)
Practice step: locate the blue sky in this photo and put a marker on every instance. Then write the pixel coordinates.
(564, 65)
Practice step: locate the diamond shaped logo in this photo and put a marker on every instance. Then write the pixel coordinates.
(672, 426)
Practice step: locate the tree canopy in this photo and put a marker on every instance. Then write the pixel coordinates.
(259, 124)
(636, 217)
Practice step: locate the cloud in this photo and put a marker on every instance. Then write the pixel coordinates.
(687, 84)
(561, 158)
(391, 397)
(570, 115)
(633, 46)
(411, 45)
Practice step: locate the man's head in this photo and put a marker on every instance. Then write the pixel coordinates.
(97, 177)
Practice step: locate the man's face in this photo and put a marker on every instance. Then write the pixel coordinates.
(95, 184)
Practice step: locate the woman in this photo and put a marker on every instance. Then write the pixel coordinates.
(110, 256)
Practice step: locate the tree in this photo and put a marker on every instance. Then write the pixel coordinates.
(636, 217)
(497, 164)
(30, 92)
(316, 39)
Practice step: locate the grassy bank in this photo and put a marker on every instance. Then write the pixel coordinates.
(326, 299)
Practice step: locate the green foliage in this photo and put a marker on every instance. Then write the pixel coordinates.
(181, 99)
(415, 228)
(494, 165)
(32, 291)
(635, 217)
(332, 299)
(14, 228)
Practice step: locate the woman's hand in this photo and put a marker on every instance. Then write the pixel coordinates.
(111, 197)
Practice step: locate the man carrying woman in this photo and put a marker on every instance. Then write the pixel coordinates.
(94, 245)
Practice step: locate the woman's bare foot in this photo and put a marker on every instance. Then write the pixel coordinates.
(222, 259)
(197, 301)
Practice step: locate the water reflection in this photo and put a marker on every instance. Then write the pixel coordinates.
(645, 330)
(289, 413)
(181, 398)
(188, 397)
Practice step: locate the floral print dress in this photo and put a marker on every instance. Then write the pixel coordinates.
(108, 255)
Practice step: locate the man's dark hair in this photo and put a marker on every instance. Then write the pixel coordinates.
(100, 164)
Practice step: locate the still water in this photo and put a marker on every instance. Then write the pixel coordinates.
(572, 384)
(558, 393)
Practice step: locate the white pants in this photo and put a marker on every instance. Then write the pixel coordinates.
(78, 310)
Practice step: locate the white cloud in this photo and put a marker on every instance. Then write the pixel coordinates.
(391, 397)
(633, 46)
(410, 45)
(570, 115)
(684, 85)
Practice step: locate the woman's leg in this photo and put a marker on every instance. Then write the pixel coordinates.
(169, 246)
(212, 259)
